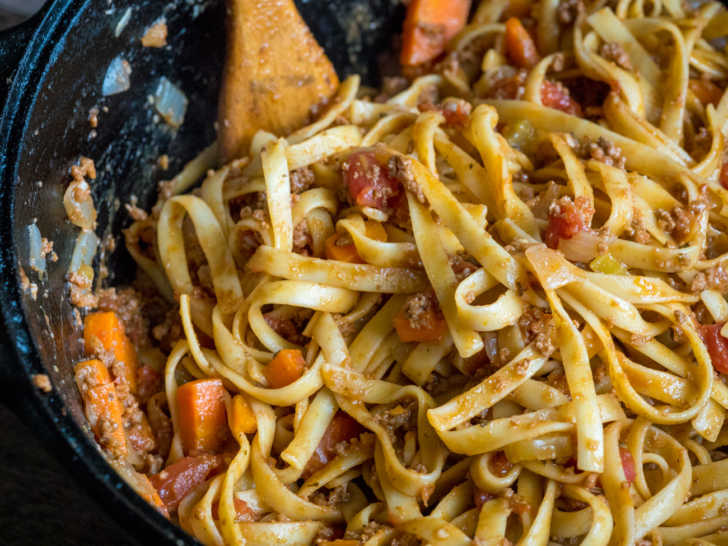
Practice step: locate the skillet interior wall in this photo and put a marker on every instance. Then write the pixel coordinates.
(53, 131)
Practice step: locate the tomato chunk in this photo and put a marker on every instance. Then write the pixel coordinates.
(554, 95)
(342, 428)
(627, 464)
(566, 219)
(717, 346)
(178, 479)
(369, 181)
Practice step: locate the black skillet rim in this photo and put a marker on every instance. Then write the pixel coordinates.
(47, 414)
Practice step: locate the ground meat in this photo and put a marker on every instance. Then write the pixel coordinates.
(715, 278)
(302, 238)
(400, 168)
(557, 379)
(637, 230)
(391, 85)
(463, 266)
(85, 168)
(437, 384)
(538, 326)
(289, 323)
(160, 423)
(505, 82)
(455, 111)
(569, 10)
(607, 152)
(363, 535)
(406, 539)
(327, 534)
(42, 382)
(398, 419)
(417, 310)
(127, 303)
(614, 52)
(302, 179)
(679, 221)
(167, 332)
(80, 291)
(156, 35)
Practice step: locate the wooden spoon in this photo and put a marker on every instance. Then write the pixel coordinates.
(275, 71)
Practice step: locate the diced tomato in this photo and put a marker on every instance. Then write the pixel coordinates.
(149, 382)
(554, 95)
(724, 175)
(566, 219)
(178, 479)
(342, 428)
(243, 512)
(480, 497)
(369, 182)
(627, 464)
(717, 346)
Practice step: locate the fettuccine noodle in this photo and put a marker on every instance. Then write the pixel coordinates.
(505, 286)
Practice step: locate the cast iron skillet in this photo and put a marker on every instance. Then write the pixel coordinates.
(51, 70)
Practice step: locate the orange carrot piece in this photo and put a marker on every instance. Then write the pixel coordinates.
(241, 419)
(520, 47)
(103, 331)
(102, 405)
(285, 368)
(201, 415)
(429, 26)
(706, 91)
(431, 326)
(343, 253)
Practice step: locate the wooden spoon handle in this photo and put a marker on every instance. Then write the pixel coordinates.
(274, 72)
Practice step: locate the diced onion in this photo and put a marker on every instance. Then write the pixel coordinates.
(117, 77)
(84, 251)
(79, 205)
(37, 260)
(582, 247)
(170, 102)
(123, 21)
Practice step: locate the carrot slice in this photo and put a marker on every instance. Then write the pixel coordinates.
(520, 47)
(102, 405)
(241, 419)
(706, 91)
(285, 368)
(202, 416)
(429, 26)
(346, 252)
(103, 332)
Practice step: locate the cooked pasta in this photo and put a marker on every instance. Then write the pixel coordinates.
(487, 308)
